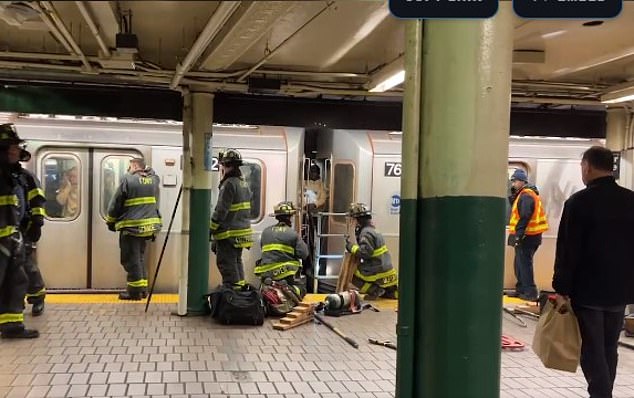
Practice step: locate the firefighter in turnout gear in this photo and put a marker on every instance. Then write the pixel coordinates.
(282, 250)
(230, 227)
(31, 229)
(13, 205)
(375, 274)
(133, 211)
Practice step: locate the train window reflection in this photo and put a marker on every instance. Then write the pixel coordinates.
(113, 169)
(252, 173)
(62, 186)
(343, 192)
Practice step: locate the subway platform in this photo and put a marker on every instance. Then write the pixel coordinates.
(94, 346)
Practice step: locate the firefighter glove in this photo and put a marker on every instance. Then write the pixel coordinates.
(111, 227)
(214, 247)
(34, 233)
(348, 245)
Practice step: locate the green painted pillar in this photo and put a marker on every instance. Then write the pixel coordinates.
(405, 360)
(200, 204)
(460, 211)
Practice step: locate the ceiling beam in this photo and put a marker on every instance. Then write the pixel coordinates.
(245, 28)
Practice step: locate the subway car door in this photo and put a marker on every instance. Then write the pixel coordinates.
(77, 251)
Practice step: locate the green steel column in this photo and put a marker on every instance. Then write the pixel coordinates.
(461, 213)
(200, 204)
(405, 361)
(185, 198)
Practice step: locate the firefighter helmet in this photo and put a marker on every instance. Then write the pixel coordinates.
(357, 210)
(230, 156)
(9, 135)
(284, 209)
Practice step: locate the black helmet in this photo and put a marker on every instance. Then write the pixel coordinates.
(284, 209)
(357, 210)
(9, 135)
(230, 157)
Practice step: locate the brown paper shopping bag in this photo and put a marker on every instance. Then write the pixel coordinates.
(557, 341)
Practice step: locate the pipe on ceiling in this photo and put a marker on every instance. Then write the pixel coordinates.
(215, 23)
(93, 28)
(48, 6)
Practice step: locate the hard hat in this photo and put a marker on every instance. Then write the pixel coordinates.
(358, 210)
(230, 156)
(283, 209)
(9, 135)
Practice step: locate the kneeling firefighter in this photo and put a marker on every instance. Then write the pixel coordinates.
(375, 275)
(282, 250)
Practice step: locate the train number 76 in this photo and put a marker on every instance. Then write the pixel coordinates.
(392, 169)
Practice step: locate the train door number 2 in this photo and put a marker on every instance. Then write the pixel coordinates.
(392, 169)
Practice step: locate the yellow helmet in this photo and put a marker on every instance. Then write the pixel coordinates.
(357, 210)
(284, 209)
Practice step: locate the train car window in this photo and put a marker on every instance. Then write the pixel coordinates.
(62, 186)
(252, 173)
(113, 169)
(343, 189)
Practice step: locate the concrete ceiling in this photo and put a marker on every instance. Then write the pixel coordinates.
(312, 48)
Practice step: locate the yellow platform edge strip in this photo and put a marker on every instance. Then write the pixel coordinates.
(162, 298)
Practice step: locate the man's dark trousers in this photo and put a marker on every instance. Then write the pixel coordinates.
(523, 264)
(600, 330)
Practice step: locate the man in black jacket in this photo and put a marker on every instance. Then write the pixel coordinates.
(593, 266)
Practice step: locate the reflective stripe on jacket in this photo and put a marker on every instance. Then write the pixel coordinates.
(8, 204)
(282, 248)
(35, 200)
(230, 219)
(375, 261)
(538, 222)
(134, 206)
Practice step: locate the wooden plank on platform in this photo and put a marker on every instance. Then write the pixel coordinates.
(348, 268)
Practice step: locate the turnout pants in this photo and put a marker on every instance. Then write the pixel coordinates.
(133, 261)
(523, 264)
(13, 283)
(229, 260)
(600, 330)
(35, 291)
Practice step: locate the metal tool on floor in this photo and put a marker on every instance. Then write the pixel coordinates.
(519, 320)
(385, 343)
(334, 329)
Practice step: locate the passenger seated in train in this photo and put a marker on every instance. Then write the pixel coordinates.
(375, 275)
(282, 250)
(68, 194)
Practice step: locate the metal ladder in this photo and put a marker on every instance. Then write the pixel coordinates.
(317, 251)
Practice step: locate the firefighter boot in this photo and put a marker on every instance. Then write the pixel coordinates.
(19, 332)
(38, 308)
(135, 296)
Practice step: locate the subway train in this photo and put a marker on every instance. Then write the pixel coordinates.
(89, 156)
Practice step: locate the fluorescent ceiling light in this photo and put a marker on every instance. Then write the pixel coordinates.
(621, 93)
(389, 76)
(392, 81)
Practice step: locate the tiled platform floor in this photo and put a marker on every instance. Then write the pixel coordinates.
(110, 350)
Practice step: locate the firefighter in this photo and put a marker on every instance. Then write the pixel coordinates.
(375, 275)
(230, 227)
(282, 249)
(13, 279)
(133, 211)
(30, 227)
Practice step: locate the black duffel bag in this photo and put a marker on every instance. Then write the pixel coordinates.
(237, 307)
